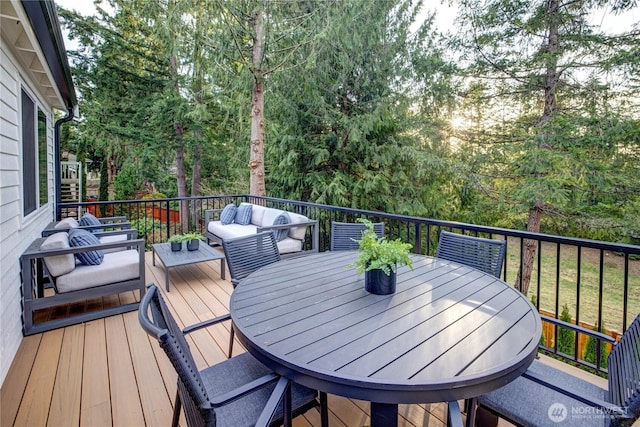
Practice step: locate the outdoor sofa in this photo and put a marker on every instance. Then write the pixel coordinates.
(54, 261)
(237, 221)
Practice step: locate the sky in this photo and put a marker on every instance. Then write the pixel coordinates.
(445, 17)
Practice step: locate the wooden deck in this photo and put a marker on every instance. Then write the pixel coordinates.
(109, 373)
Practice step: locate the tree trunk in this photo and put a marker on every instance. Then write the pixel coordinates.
(533, 225)
(256, 159)
(181, 177)
(550, 110)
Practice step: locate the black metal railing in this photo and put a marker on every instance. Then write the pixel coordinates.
(599, 282)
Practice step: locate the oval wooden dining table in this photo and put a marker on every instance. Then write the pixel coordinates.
(449, 332)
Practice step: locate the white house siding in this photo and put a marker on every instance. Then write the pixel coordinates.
(16, 232)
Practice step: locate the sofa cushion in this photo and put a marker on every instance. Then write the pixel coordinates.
(116, 267)
(67, 223)
(289, 245)
(228, 214)
(59, 264)
(281, 219)
(79, 237)
(88, 219)
(297, 232)
(257, 213)
(270, 215)
(111, 239)
(243, 214)
(230, 231)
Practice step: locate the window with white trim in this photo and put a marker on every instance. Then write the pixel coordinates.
(35, 189)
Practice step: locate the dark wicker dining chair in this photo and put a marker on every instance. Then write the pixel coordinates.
(247, 254)
(546, 396)
(343, 234)
(236, 392)
(483, 254)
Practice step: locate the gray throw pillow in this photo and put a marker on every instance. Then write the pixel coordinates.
(282, 219)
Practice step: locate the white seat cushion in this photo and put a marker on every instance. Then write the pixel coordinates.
(230, 231)
(289, 245)
(115, 267)
(112, 239)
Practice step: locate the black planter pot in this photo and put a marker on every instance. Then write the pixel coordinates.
(176, 246)
(377, 282)
(192, 245)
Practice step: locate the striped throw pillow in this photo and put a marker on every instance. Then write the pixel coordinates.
(282, 219)
(88, 219)
(243, 214)
(228, 214)
(79, 237)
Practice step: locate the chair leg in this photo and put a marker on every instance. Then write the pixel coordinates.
(232, 334)
(176, 410)
(471, 406)
(324, 410)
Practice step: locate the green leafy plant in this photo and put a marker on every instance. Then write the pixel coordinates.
(192, 236)
(380, 253)
(185, 237)
(176, 238)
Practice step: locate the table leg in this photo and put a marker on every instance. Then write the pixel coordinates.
(166, 278)
(384, 414)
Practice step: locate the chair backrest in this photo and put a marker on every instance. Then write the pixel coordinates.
(164, 328)
(484, 254)
(343, 234)
(247, 254)
(624, 371)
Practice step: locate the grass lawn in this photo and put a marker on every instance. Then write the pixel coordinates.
(589, 283)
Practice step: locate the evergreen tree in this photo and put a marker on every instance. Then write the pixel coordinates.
(566, 337)
(358, 125)
(558, 134)
(590, 351)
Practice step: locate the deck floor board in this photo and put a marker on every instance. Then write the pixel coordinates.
(108, 372)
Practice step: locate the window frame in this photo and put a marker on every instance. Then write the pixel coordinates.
(34, 153)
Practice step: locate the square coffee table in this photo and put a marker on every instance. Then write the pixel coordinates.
(172, 259)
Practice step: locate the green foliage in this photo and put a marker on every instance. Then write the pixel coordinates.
(149, 229)
(128, 181)
(348, 131)
(103, 194)
(590, 353)
(185, 237)
(380, 253)
(566, 337)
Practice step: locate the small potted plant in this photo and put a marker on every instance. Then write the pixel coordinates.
(193, 240)
(379, 259)
(176, 242)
